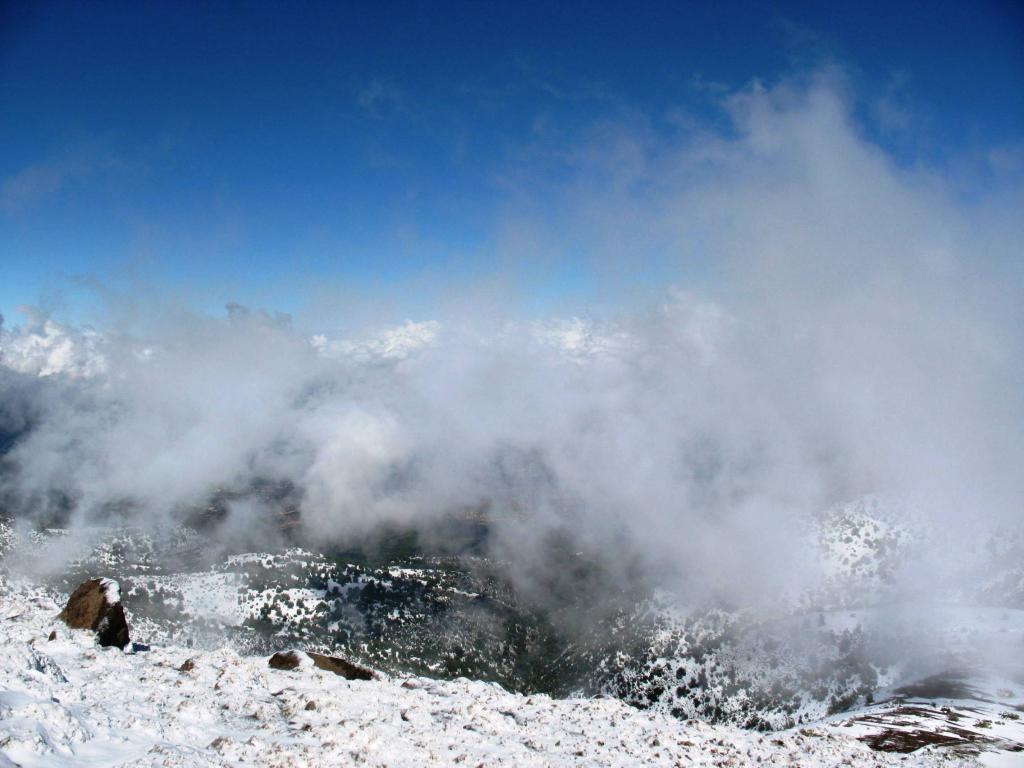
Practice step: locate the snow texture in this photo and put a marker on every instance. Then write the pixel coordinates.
(68, 702)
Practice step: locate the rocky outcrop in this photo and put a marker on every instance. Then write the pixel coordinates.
(289, 660)
(341, 667)
(286, 660)
(96, 605)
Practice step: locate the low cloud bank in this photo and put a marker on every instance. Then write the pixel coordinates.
(863, 335)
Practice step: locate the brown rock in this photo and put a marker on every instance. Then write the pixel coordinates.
(286, 660)
(187, 666)
(96, 605)
(289, 660)
(342, 667)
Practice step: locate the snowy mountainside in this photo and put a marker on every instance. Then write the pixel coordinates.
(832, 656)
(64, 701)
(863, 543)
(450, 616)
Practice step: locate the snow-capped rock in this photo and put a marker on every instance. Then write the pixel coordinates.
(96, 605)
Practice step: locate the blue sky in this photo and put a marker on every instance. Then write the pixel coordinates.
(299, 155)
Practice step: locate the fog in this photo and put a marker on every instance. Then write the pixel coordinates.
(857, 329)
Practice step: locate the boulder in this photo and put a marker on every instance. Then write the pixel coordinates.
(289, 660)
(96, 605)
(342, 667)
(286, 660)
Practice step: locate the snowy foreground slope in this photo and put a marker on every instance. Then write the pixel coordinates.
(66, 701)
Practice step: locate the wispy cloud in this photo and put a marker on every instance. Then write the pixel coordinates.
(31, 184)
(44, 179)
(892, 109)
(382, 96)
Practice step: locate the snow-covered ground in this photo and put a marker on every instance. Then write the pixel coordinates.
(68, 702)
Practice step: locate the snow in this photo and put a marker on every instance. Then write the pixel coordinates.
(111, 591)
(991, 712)
(209, 596)
(69, 702)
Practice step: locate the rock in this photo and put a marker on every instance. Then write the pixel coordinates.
(285, 660)
(187, 666)
(342, 667)
(289, 660)
(96, 605)
(52, 636)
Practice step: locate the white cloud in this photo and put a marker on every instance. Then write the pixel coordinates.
(45, 348)
(861, 334)
(388, 344)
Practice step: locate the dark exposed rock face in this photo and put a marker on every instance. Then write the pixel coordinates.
(288, 660)
(96, 605)
(342, 667)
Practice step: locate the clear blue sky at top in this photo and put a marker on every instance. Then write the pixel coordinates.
(264, 152)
